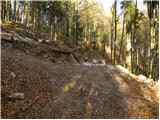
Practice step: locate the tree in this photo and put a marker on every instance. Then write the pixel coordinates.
(115, 34)
(152, 7)
(122, 47)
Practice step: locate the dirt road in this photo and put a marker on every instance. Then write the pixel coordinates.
(72, 90)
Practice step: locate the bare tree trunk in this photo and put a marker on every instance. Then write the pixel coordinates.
(112, 39)
(34, 22)
(74, 38)
(85, 33)
(134, 43)
(3, 9)
(26, 12)
(104, 44)
(151, 54)
(55, 30)
(122, 38)
(131, 37)
(115, 34)
(38, 19)
(67, 18)
(15, 9)
(7, 11)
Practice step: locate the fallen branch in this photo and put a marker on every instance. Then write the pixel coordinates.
(24, 109)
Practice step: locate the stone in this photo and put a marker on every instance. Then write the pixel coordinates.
(16, 60)
(6, 36)
(18, 37)
(122, 68)
(40, 40)
(148, 81)
(45, 56)
(47, 41)
(17, 96)
(142, 77)
(6, 45)
(29, 41)
(27, 52)
(72, 58)
(12, 74)
(102, 62)
(95, 61)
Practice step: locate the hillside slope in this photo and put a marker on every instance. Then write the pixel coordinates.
(70, 89)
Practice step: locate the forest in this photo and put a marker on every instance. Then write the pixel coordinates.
(44, 41)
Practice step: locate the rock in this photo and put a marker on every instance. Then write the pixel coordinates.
(29, 41)
(6, 36)
(6, 45)
(12, 74)
(81, 60)
(40, 40)
(102, 62)
(157, 83)
(45, 56)
(26, 40)
(30, 33)
(142, 77)
(18, 37)
(17, 96)
(87, 64)
(95, 61)
(148, 81)
(73, 59)
(16, 60)
(47, 41)
(27, 52)
(122, 68)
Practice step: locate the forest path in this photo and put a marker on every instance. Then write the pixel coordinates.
(73, 90)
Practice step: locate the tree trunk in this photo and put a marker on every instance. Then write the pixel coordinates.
(150, 57)
(7, 11)
(3, 11)
(115, 34)
(131, 50)
(134, 43)
(74, 37)
(104, 44)
(67, 18)
(85, 33)
(15, 9)
(26, 12)
(38, 19)
(55, 30)
(122, 38)
(112, 39)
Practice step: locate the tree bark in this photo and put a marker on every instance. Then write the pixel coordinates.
(15, 9)
(7, 11)
(115, 34)
(134, 43)
(122, 38)
(112, 39)
(74, 36)
(3, 11)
